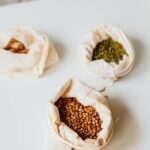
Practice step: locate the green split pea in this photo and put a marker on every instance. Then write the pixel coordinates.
(109, 50)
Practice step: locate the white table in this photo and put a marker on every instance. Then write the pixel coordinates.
(23, 103)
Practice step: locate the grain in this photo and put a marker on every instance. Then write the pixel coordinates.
(85, 121)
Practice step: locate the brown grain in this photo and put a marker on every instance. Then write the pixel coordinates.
(16, 46)
(83, 120)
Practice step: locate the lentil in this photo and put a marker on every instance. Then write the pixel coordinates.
(109, 50)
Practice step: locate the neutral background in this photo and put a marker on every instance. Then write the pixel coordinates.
(23, 102)
(7, 2)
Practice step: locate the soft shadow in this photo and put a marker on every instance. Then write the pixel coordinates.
(139, 65)
(60, 48)
(126, 130)
(60, 51)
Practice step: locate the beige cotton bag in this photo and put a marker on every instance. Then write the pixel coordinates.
(87, 97)
(100, 67)
(40, 56)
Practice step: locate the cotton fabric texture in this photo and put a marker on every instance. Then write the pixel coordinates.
(87, 97)
(100, 67)
(41, 55)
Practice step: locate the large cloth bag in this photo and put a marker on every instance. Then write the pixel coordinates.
(87, 97)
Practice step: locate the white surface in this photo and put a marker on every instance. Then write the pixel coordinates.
(23, 103)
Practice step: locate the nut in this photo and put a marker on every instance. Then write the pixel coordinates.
(84, 120)
(16, 46)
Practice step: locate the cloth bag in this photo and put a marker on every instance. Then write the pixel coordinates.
(87, 97)
(100, 67)
(41, 55)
